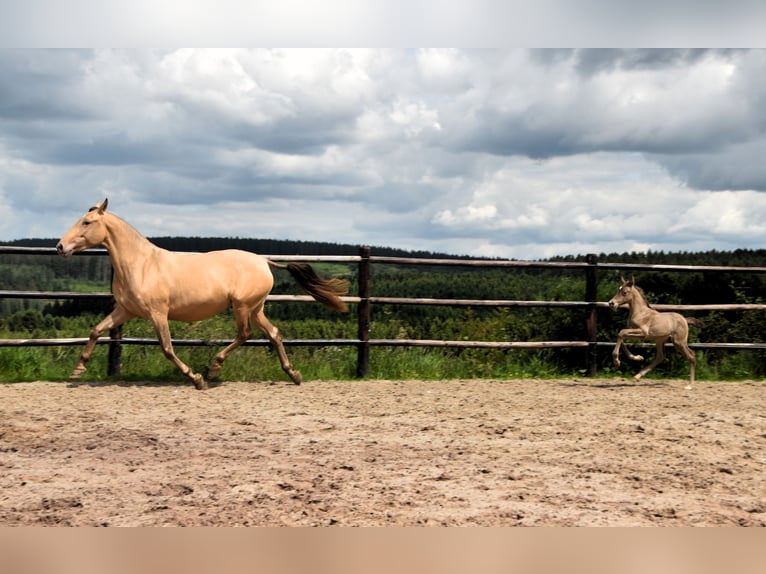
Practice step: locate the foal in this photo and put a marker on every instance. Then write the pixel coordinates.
(647, 323)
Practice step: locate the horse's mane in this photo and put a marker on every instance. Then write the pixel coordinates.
(128, 229)
(643, 295)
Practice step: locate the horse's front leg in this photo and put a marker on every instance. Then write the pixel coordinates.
(630, 355)
(112, 321)
(616, 352)
(622, 335)
(162, 329)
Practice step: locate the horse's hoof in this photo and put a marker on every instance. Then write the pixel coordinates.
(77, 373)
(214, 370)
(637, 357)
(616, 362)
(199, 382)
(296, 377)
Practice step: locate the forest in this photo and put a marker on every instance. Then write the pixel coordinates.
(83, 273)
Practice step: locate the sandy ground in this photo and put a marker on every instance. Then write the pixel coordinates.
(353, 453)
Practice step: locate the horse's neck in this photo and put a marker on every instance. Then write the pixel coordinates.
(639, 305)
(126, 246)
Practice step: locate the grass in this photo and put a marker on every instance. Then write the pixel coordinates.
(146, 362)
(333, 362)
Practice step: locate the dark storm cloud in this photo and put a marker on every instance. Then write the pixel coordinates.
(306, 134)
(604, 60)
(736, 167)
(40, 85)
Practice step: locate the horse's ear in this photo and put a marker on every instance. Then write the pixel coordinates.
(632, 280)
(100, 207)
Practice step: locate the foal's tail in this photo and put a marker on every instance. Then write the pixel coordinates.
(326, 291)
(694, 322)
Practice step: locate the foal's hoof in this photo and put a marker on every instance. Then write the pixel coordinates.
(637, 358)
(296, 377)
(77, 373)
(616, 362)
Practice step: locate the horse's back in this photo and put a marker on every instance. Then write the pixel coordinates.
(235, 270)
(235, 258)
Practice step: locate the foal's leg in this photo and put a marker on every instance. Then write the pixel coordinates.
(260, 321)
(622, 335)
(630, 354)
(160, 322)
(244, 332)
(659, 357)
(113, 320)
(683, 348)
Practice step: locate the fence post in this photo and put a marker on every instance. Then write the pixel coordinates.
(115, 352)
(114, 360)
(364, 314)
(591, 294)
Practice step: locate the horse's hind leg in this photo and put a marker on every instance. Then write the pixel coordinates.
(244, 332)
(684, 349)
(260, 321)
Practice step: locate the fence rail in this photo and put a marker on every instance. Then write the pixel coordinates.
(364, 302)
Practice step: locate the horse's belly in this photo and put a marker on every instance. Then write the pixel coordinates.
(196, 311)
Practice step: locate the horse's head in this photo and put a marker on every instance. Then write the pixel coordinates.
(624, 295)
(88, 232)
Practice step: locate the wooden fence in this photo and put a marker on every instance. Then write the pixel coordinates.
(365, 301)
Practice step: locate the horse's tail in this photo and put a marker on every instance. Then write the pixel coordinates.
(326, 291)
(694, 322)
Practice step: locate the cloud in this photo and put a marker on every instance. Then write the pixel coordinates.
(568, 199)
(622, 102)
(522, 153)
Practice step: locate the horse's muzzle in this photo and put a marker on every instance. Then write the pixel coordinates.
(613, 304)
(61, 251)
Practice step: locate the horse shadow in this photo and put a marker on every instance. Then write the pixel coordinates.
(125, 384)
(137, 383)
(618, 384)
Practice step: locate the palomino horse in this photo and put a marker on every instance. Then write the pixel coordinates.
(158, 285)
(647, 323)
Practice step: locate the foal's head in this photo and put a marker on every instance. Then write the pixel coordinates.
(88, 232)
(626, 294)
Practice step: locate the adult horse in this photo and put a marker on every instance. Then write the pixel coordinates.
(647, 323)
(158, 285)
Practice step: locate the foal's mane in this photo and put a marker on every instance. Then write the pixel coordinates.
(643, 295)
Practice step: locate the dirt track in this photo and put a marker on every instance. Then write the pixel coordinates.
(566, 452)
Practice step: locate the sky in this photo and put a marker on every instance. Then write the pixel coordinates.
(519, 153)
